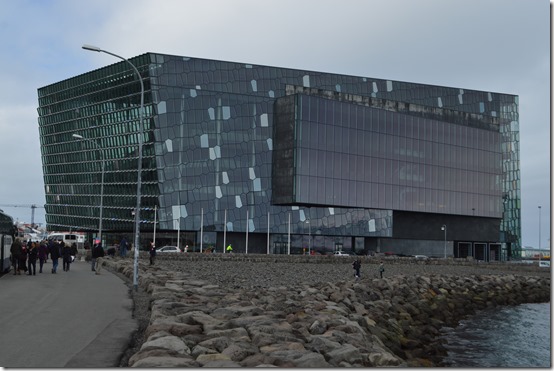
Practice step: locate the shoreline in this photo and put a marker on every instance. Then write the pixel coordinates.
(263, 281)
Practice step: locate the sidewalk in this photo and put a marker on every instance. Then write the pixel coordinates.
(68, 319)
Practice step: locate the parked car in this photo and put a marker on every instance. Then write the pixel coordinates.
(168, 249)
(421, 257)
(340, 253)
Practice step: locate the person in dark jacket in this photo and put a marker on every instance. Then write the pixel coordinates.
(97, 255)
(152, 253)
(42, 254)
(66, 257)
(123, 247)
(356, 265)
(54, 249)
(15, 250)
(23, 258)
(74, 252)
(32, 259)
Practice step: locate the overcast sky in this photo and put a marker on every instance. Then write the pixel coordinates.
(491, 45)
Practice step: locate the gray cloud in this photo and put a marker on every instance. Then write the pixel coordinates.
(492, 45)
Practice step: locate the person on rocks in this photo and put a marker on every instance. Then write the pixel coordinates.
(381, 269)
(66, 257)
(123, 247)
(42, 254)
(32, 260)
(97, 255)
(15, 251)
(356, 265)
(54, 249)
(152, 253)
(229, 249)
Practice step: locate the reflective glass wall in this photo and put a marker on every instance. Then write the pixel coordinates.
(209, 147)
(102, 106)
(356, 156)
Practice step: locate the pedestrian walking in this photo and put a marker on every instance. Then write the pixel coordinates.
(73, 252)
(42, 254)
(15, 250)
(54, 250)
(23, 258)
(381, 269)
(97, 255)
(152, 253)
(66, 257)
(32, 259)
(92, 256)
(356, 265)
(229, 248)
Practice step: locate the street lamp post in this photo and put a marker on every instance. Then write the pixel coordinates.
(139, 167)
(540, 229)
(540, 250)
(309, 237)
(77, 136)
(247, 216)
(443, 228)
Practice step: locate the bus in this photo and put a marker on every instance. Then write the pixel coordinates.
(7, 235)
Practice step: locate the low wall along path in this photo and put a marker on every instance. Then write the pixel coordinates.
(259, 310)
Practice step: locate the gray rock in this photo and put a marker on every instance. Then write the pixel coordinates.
(218, 344)
(158, 362)
(199, 349)
(205, 359)
(234, 333)
(300, 359)
(318, 327)
(314, 312)
(346, 353)
(238, 351)
(171, 342)
(322, 344)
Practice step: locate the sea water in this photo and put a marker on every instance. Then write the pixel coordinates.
(511, 336)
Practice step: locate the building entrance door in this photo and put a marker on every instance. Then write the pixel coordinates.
(280, 248)
(463, 250)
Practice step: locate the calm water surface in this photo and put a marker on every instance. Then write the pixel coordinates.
(508, 337)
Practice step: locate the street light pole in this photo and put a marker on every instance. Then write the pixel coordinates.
(139, 167)
(77, 136)
(443, 228)
(247, 229)
(309, 236)
(540, 230)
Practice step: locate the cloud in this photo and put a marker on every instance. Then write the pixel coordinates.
(491, 45)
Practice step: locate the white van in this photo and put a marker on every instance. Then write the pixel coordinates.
(68, 238)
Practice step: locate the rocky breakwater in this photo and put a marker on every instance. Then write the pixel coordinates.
(372, 322)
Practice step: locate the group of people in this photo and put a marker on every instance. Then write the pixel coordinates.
(24, 255)
(357, 265)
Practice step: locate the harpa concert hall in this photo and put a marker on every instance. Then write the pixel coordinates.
(277, 160)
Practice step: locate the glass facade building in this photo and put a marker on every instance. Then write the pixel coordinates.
(235, 151)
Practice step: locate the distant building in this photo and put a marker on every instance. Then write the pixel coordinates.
(336, 162)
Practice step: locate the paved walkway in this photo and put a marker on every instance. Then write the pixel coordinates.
(69, 319)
